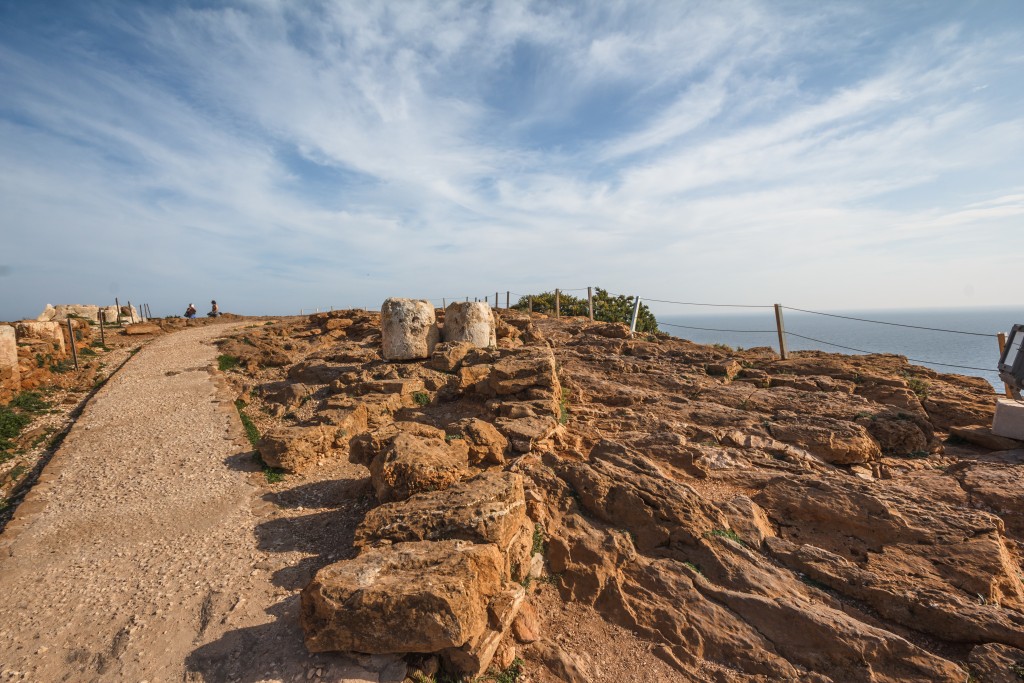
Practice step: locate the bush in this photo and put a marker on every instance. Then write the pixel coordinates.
(607, 308)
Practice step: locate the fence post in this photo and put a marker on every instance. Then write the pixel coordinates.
(102, 315)
(782, 332)
(529, 304)
(636, 314)
(558, 303)
(131, 314)
(444, 304)
(117, 304)
(495, 299)
(1001, 338)
(71, 336)
(590, 302)
(508, 300)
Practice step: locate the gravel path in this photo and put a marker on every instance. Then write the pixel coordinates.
(136, 557)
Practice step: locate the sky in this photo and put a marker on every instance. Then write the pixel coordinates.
(281, 156)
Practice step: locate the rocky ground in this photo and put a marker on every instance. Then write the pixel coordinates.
(572, 504)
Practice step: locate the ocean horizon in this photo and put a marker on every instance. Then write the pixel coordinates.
(947, 352)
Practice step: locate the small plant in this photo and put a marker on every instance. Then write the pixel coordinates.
(510, 674)
(456, 436)
(918, 386)
(251, 432)
(723, 347)
(421, 398)
(863, 414)
(726, 533)
(226, 362)
(16, 472)
(1018, 670)
(538, 541)
(11, 424)
(272, 475)
(99, 345)
(248, 342)
(693, 567)
(86, 351)
(62, 366)
(29, 402)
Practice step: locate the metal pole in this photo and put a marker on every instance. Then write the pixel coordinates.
(102, 315)
(590, 302)
(508, 299)
(495, 299)
(636, 314)
(74, 349)
(118, 305)
(558, 303)
(1001, 338)
(782, 332)
(131, 314)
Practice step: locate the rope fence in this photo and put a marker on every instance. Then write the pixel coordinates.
(780, 329)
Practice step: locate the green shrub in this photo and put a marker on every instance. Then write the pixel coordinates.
(607, 308)
(226, 362)
(29, 402)
(421, 398)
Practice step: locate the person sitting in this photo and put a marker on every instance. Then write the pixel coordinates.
(214, 310)
(190, 312)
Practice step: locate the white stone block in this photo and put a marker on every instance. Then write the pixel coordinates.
(10, 378)
(470, 321)
(408, 329)
(1009, 419)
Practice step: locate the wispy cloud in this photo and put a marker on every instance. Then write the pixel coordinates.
(283, 155)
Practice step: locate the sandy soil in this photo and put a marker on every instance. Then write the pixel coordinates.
(145, 552)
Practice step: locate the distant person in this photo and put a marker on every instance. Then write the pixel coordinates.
(214, 310)
(190, 312)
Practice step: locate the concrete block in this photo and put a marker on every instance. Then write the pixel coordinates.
(1009, 419)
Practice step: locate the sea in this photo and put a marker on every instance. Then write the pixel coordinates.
(943, 351)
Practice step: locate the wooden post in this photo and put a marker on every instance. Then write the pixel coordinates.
(636, 314)
(590, 302)
(508, 300)
(444, 304)
(131, 315)
(102, 315)
(782, 332)
(495, 299)
(558, 303)
(1001, 338)
(118, 305)
(529, 304)
(74, 349)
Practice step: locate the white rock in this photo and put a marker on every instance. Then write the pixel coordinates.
(470, 321)
(46, 331)
(408, 329)
(10, 378)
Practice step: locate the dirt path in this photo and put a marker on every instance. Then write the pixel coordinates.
(138, 555)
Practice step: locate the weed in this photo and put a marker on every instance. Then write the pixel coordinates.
(17, 472)
(510, 674)
(269, 322)
(538, 541)
(563, 409)
(62, 366)
(863, 413)
(272, 474)
(917, 455)
(421, 398)
(99, 345)
(40, 360)
(251, 432)
(248, 342)
(226, 362)
(29, 402)
(11, 424)
(723, 347)
(1018, 670)
(726, 533)
(694, 567)
(918, 386)
(453, 437)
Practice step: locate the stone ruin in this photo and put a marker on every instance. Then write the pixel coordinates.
(28, 348)
(88, 312)
(409, 329)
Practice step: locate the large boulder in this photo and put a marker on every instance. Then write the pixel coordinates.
(48, 332)
(10, 377)
(366, 447)
(408, 597)
(295, 449)
(408, 329)
(836, 441)
(470, 321)
(489, 508)
(487, 446)
(414, 464)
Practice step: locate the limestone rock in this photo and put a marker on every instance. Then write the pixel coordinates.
(366, 447)
(408, 597)
(565, 666)
(289, 395)
(473, 658)
(995, 663)
(898, 437)
(982, 436)
(414, 464)
(447, 356)
(142, 328)
(469, 321)
(49, 332)
(527, 433)
(489, 508)
(835, 441)
(295, 449)
(408, 329)
(486, 444)
(10, 375)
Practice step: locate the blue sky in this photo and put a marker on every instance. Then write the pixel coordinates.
(284, 155)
